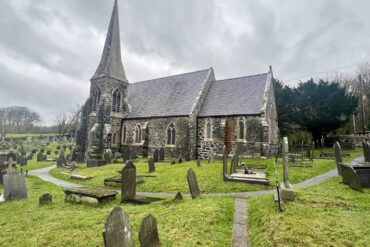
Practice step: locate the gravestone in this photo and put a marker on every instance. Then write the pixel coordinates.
(117, 230)
(224, 163)
(148, 234)
(156, 155)
(193, 184)
(30, 156)
(61, 159)
(180, 159)
(178, 196)
(14, 183)
(198, 162)
(366, 150)
(107, 157)
(45, 199)
(234, 161)
(161, 154)
(22, 161)
(128, 187)
(151, 165)
(41, 156)
(338, 157)
(285, 163)
(48, 152)
(133, 155)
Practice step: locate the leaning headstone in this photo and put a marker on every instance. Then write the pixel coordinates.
(161, 154)
(45, 198)
(338, 157)
(128, 187)
(117, 230)
(151, 165)
(366, 149)
(193, 184)
(148, 234)
(156, 155)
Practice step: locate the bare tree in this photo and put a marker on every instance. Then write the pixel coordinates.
(67, 121)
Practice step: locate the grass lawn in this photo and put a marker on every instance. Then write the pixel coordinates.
(328, 214)
(172, 178)
(27, 135)
(199, 222)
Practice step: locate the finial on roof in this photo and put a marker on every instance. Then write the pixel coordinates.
(270, 69)
(111, 63)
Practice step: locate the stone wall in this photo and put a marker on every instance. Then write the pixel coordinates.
(156, 128)
(222, 127)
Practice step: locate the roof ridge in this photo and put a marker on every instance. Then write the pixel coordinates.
(242, 77)
(171, 76)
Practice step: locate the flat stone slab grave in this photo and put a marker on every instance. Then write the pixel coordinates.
(257, 177)
(101, 195)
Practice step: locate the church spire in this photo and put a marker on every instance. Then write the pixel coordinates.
(111, 63)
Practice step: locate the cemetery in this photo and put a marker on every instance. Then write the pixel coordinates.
(196, 158)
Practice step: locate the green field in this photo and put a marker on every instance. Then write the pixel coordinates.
(172, 178)
(199, 222)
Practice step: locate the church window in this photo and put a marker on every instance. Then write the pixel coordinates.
(116, 101)
(95, 99)
(138, 134)
(241, 129)
(208, 129)
(124, 134)
(171, 134)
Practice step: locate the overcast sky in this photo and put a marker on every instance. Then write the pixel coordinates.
(49, 49)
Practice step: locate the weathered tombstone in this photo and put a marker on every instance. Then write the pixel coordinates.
(22, 161)
(128, 187)
(48, 152)
(193, 184)
(234, 161)
(61, 160)
(178, 196)
(148, 234)
(156, 155)
(224, 163)
(14, 183)
(161, 154)
(133, 155)
(117, 230)
(107, 157)
(45, 198)
(198, 162)
(285, 163)
(151, 165)
(338, 157)
(41, 156)
(366, 149)
(287, 192)
(180, 159)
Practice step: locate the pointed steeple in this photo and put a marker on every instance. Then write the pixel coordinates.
(111, 63)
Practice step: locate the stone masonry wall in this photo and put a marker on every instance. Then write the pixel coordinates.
(157, 131)
(251, 144)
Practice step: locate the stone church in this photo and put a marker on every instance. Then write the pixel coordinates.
(188, 114)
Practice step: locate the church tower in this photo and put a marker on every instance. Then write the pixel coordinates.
(107, 102)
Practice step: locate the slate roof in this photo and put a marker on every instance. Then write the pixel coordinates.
(236, 96)
(164, 97)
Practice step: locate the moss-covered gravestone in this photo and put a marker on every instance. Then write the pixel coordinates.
(128, 188)
(151, 165)
(148, 234)
(117, 231)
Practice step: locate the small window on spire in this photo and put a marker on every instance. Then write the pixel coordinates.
(116, 101)
(95, 99)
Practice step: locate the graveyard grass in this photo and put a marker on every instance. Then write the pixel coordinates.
(172, 178)
(199, 222)
(328, 214)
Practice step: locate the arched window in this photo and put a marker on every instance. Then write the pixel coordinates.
(208, 129)
(95, 99)
(116, 101)
(241, 128)
(124, 134)
(171, 134)
(114, 138)
(138, 134)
